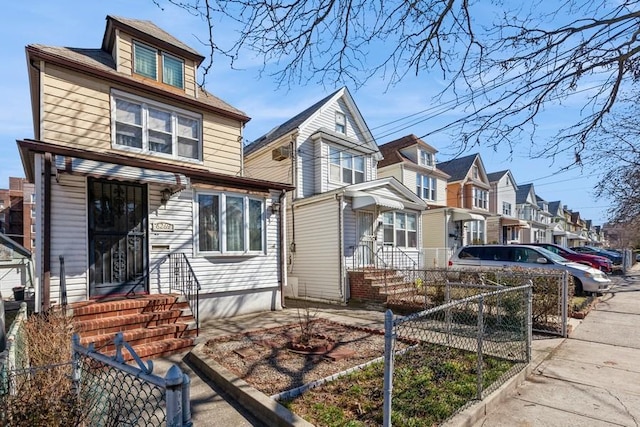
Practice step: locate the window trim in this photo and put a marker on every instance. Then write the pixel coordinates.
(341, 164)
(175, 112)
(432, 188)
(341, 122)
(506, 211)
(222, 197)
(395, 230)
(162, 56)
(477, 193)
(137, 44)
(430, 158)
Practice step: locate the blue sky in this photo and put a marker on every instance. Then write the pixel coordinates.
(78, 23)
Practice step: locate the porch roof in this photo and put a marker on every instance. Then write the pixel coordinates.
(363, 200)
(514, 222)
(467, 216)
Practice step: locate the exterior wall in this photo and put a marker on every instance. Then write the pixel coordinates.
(494, 229)
(77, 113)
(260, 165)
(453, 195)
(395, 171)
(435, 240)
(315, 263)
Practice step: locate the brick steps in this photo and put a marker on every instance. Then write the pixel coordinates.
(154, 325)
(379, 286)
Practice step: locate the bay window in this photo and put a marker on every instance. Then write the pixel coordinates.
(151, 127)
(229, 223)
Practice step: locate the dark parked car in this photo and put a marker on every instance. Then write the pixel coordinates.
(614, 257)
(595, 261)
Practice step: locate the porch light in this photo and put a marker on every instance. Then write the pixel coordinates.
(275, 207)
(165, 195)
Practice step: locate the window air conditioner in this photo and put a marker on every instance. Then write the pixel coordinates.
(281, 153)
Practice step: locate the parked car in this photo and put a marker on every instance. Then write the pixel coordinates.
(587, 279)
(613, 256)
(596, 261)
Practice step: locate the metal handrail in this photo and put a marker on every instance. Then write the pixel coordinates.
(365, 256)
(183, 279)
(405, 260)
(63, 283)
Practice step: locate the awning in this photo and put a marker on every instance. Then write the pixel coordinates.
(514, 222)
(467, 216)
(573, 236)
(77, 166)
(364, 200)
(559, 233)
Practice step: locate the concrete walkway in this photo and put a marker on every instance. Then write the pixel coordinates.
(592, 378)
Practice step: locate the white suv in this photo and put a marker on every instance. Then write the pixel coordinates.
(587, 279)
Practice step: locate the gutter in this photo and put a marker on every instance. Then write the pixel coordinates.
(282, 230)
(341, 284)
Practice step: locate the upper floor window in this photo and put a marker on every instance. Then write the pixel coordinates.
(33, 211)
(508, 180)
(426, 188)
(344, 167)
(145, 63)
(474, 172)
(229, 223)
(425, 158)
(341, 123)
(400, 229)
(152, 127)
(506, 208)
(32, 198)
(480, 198)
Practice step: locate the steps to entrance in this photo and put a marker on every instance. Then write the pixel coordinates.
(379, 286)
(154, 325)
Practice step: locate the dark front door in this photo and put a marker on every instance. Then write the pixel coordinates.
(117, 238)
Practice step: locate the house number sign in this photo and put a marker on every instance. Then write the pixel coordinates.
(163, 227)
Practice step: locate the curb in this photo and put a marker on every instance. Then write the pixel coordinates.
(259, 404)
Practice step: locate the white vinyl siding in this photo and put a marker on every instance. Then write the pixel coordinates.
(317, 257)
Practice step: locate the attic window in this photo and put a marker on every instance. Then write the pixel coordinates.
(475, 172)
(341, 123)
(145, 63)
(425, 158)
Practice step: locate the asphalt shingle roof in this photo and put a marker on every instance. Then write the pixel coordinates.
(522, 193)
(391, 150)
(554, 207)
(495, 176)
(288, 126)
(457, 168)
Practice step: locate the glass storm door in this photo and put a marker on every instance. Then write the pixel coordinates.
(366, 238)
(117, 238)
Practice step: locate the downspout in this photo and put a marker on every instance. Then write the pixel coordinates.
(282, 229)
(46, 249)
(341, 289)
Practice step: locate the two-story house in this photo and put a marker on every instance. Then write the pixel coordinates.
(504, 226)
(132, 162)
(528, 210)
(413, 162)
(341, 215)
(463, 220)
(558, 223)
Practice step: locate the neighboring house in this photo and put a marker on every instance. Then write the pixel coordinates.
(545, 216)
(413, 162)
(558, 223)
(17, 212)
(16, 267)
(133, 161)
(528, 210)
(504, 226)
(578, 235)
(463, 221)
(341, 217)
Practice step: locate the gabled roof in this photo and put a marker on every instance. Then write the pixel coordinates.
(554, 207)
(147, 30)
(457, 168)
(391, 150)
(288, 126)
(496, 176)
(522, 193)
(100, 63)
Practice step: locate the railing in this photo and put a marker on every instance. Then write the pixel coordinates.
(365, 257)
(182, 279)
(63, 283)
(397, 258)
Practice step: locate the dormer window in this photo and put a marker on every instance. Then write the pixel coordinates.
(145, 63)
(341, 123)
(425, 158)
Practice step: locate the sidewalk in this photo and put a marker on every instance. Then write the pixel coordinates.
(592, 378)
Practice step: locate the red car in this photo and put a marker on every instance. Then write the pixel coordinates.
(595, 261)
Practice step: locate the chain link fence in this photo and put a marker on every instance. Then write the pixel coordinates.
(552, 292)
(15, 354)
(460, 352)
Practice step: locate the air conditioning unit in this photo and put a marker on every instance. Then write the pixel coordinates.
(281, 153)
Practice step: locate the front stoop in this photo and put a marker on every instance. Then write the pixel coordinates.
(378, 286)
(154, 325)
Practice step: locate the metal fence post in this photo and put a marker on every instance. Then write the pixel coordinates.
(565, 303)
(173, 381)
(529, 319)
(447, 313)
(186, 401)
(388, 367)
(480, 334)
(75, 373)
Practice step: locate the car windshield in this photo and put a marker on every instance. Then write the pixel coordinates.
(553, 257)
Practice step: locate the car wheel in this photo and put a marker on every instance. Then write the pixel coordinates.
(578, 287)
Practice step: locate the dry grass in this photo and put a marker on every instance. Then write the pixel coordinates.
(44, 394)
